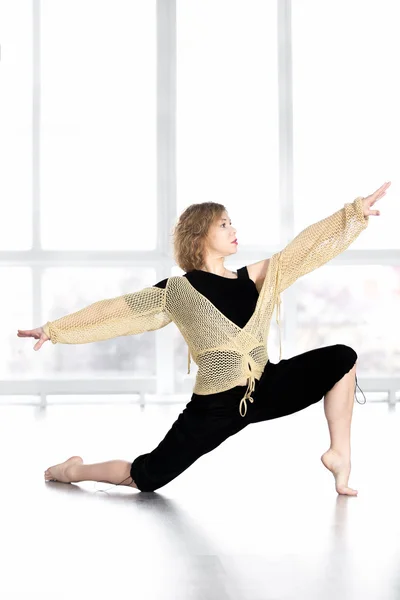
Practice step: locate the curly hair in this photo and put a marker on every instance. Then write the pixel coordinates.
(191, 231)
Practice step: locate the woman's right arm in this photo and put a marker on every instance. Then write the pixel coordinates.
(128, 314)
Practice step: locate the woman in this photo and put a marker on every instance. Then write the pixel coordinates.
(225, 318)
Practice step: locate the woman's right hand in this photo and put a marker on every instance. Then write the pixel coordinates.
(38, 334)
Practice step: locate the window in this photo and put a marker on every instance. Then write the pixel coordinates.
(227, 117)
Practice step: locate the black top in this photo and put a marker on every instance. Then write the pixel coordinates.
(235, 298)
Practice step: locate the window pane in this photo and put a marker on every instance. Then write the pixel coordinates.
(22, 401)
(227, 118)
(98, 125)
(346, 117)
(68, 290)
(17, 356)
(354, 305)
(16, 125)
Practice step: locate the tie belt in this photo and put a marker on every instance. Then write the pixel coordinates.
(250, 389)
(252, 381)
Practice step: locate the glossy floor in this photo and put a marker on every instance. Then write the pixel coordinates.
(258, 518)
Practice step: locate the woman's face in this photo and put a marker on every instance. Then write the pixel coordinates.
(221, 238)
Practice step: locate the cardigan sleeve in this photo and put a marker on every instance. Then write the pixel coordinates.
(320, 242)
(129, 314)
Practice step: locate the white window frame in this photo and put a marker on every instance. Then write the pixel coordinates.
(162, 386)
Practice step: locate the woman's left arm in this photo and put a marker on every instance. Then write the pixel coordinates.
(322, 241)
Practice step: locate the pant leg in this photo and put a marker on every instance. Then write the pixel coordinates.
(295, 383)
(203, 425)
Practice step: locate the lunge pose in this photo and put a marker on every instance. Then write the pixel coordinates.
(224, 318)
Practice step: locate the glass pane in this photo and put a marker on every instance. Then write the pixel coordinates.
(17, 357)
(66, 290)
(98, 125)
(227, 118)
(16, 125)
(354, 305)
(21, 401)
(346, 117)
(373, 396)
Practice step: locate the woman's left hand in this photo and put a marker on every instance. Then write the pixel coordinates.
(370, 200)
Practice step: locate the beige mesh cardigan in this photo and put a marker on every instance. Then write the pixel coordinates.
(224, 352)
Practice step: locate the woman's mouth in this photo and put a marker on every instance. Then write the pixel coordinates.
(235, 241)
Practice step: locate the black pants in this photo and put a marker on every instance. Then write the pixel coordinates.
(207, 420)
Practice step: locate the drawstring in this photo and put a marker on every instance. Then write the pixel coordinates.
(188, 361)
(250, 389)
(278, 306)
(355, 391)
(278, 315)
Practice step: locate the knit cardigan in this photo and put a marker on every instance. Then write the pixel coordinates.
(224, 352)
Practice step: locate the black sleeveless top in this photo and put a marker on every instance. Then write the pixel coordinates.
(235, 298)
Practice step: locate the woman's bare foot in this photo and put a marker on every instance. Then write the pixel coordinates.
(340, 466)
(60, 472)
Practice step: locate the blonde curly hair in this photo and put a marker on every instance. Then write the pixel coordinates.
(190, 234)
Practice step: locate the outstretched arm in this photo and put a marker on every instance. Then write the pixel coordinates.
(320, 242)
(129, 314)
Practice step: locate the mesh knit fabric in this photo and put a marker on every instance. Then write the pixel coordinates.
(225, 353)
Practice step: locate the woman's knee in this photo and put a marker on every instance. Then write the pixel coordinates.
(347, 352)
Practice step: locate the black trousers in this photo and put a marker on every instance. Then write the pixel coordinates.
(207, 420)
